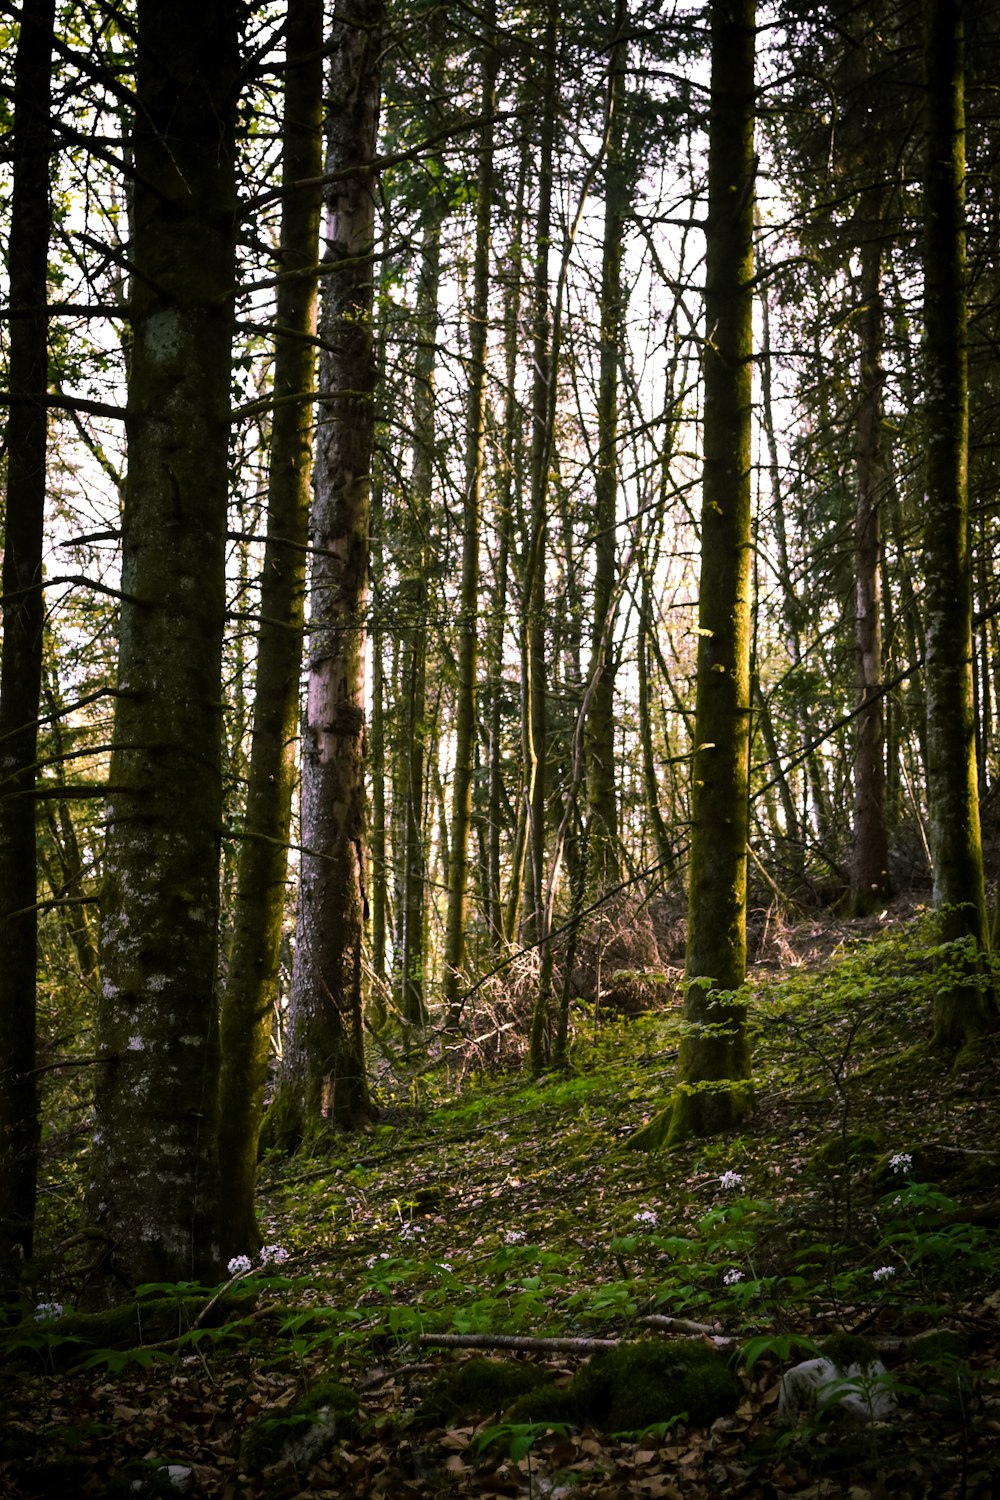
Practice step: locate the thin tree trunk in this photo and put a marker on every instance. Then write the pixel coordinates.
(535, 571)
(155, 1192)
(468, 646)
(250, 994)
(323, 1081)
(870, 863)
(23, 619)
(602, 789)
(414, 605)
(965, 1005)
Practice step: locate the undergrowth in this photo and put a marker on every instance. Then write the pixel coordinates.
(861, 1198)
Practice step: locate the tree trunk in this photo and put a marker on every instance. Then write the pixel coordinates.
(870, 887)
(414, 603)
(468, 646)
(965, 1005)
(713, 1091)
(251, 992)
(155, 1180)
(23, 619)
(323, 1081)
(602, 790)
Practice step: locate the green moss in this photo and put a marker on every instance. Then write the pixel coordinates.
(854, 1148)
(479, 1387)
(304, 1430)
(151, 1320)
(631, 1387)
(942, 1347)
(846, 1349)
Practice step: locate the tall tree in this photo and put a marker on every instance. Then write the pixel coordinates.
(323, 1079)
(23, 617)
(966, 1005)
(251, 987)
(713, 1091)
(602, 790)
(468, 649)
(155, 1180)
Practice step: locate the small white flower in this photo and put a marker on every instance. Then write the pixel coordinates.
(884, 1273)
(373, 1260)
(46, 1310)
(901, 1162)
(273, 1253)
(732, 1277)
(445, 1265)
(897, 1200)
(238, 1264)
(411, 1232)
(730, 1180)
(646, 1216)
(513, 1237)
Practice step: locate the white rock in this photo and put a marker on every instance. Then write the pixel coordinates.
(178, 1475)
(817, 1383)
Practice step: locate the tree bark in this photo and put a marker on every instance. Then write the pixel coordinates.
(604, 868)
(713, 1091)
(870, 886)
(251, 991)
(468, 645)
(323, 1081)
(23, 622)
(965, 1005)
(155, 1179)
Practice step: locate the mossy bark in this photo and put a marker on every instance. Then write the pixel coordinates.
(251, 990)
(966, 1005)
(713, 1093)
(323, 1081)
(23, 617)
(155, 1180)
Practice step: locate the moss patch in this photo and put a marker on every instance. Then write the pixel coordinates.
(636, 1385)
(305, 1430)
(479, 1387)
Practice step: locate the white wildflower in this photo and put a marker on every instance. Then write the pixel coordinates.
(239, 1264)
(273, 1253)
(901, 1162)
(884, 1273)
(732, 1277)
(647, 1216)
(513, 1237)
(411, 1232)
(730, 1180)
(46, 1310)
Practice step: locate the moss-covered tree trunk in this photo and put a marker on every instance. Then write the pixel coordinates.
(713, 1091)
(469, 620)
(323, 1081)
(414, 596)
(23, 616)
(155, 1181)
(965, 1006)
(251, 990)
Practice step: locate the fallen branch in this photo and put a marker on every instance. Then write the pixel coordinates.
(526, 1344)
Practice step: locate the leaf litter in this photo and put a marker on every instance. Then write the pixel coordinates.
(510, 1207)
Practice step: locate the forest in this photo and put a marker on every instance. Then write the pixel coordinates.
(499, 747)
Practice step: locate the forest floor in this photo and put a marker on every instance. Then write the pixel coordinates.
(862, 1197)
